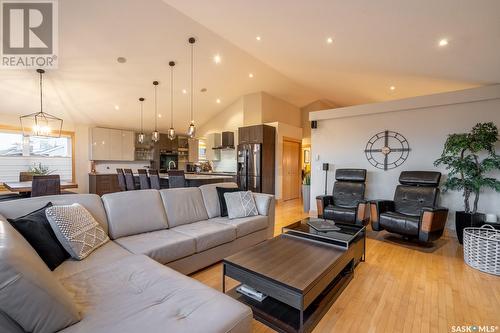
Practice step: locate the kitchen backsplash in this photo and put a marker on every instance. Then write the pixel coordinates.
(107, 167)
(227, 162)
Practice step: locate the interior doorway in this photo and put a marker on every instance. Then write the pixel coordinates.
(291, 166)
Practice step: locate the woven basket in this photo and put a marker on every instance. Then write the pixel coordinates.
(482, 249)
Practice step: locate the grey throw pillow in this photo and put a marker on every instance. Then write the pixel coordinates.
(76, 229)
(240, 204)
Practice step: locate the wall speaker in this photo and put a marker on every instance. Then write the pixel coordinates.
(314, 124)
(326, 166)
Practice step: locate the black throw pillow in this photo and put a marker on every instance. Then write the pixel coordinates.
(222, 200)
(36, 229)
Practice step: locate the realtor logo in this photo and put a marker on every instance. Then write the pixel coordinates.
(29, 34)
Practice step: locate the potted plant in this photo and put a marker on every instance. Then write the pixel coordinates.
(469, 158)
(39, 169)
(306, 191)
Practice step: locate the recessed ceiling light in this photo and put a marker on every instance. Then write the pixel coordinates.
(184, 91)
(117, 107)
(217, 59)
(258, 38)
(250, 75)
(159, 116)
(329, 40)
(121, 60)
(443, 42)
(217, 100)
(392, 88)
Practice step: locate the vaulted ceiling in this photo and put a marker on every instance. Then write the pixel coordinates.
(375, 45)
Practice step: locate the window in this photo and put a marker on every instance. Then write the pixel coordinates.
(18, 153)
(202, 150)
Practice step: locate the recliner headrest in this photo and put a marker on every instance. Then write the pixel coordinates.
(420, 178)
(351, 175)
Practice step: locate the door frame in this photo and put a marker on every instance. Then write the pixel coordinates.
(299, 165)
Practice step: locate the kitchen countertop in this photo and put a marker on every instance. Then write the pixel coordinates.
(188, 176)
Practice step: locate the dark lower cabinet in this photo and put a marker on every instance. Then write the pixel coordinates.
(103, 183)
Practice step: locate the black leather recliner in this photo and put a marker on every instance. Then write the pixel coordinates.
(347, 203)
(413, 212)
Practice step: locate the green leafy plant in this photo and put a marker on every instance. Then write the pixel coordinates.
(469, 158)
(39, 169)
(307, 179)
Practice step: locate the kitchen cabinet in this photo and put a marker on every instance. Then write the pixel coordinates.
(111, 145)
(101, 184)
(213, 140)
(193, 150)
(251, 134)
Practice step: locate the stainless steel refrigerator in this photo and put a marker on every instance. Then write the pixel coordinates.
(250, 167)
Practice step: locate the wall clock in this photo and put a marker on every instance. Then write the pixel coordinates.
(387, 150)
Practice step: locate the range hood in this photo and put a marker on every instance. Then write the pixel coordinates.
(227, 141)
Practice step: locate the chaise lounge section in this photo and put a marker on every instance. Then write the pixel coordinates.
(124, 285)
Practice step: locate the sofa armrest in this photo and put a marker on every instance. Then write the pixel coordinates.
(266, 206)
(378, 207)
(321, 202)
(432, 223)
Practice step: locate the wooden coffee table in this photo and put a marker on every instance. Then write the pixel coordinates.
(301, 277)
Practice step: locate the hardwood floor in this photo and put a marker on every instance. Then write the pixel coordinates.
(399, 289)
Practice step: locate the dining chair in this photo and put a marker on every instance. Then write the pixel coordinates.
(143, 179)
(154, 179)
(129, 179)
(121, 179)
(45, 185)
(176, 179)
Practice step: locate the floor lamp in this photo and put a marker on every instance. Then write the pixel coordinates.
(325, 168)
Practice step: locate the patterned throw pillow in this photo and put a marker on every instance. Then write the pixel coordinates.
(76, 229)
(240, 204)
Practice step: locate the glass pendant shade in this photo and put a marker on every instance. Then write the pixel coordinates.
(155, 136)
(191, 130)
(171, 133)
(141, 137)
(41, 123)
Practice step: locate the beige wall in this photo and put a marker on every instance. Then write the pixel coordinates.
(252, 109)
(425, 121)
(306, 123)
(278, 110)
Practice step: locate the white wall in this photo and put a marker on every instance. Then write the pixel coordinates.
(227, 120)
(425, 121)
(282, 131)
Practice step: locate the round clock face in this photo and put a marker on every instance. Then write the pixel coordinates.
(387, 150)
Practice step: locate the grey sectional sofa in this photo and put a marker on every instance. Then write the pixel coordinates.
(133, 283)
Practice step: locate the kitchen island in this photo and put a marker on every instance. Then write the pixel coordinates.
(195, 180)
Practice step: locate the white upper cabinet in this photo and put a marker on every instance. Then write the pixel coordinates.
(111, 145)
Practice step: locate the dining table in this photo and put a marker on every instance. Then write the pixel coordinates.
(23, 187)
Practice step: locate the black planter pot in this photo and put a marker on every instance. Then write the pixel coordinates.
(465, 220)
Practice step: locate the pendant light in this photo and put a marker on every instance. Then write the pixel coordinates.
(41, 123)
(141, 135)
(192, 129)
(155, 136)
(171, 131)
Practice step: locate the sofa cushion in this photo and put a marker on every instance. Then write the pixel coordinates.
(92, 202)
(263, 202)
(208, 234)
(163, 246)
(76, 229)
(134, 212)
(29, 293)
(137, 294)
(211, 199)
(222, 199)
(103, 256)
(183, 205)
(244, 225)
(240, 204)
(36, 229)
(400, 223)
